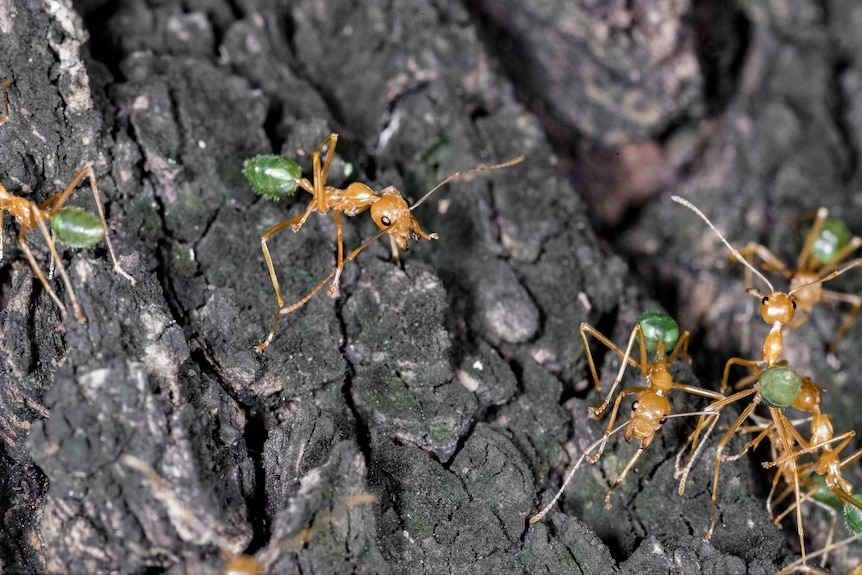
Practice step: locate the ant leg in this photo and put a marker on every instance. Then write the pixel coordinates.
(681, 472)
(622, 476)
(22, 243)
(295, 306)
(736, 361)
(569, 477)
(614, 411)
(770, 260)
(3, 87)
(268, 258)
(842, 254)
(680, 349)
(339, 267)
(819, 219)
(321, 175)
(777, 417)
(57, 200)
(855, 303)
(588, 329)
(721, 445)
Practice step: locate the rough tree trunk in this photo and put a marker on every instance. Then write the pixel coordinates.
(452, 386)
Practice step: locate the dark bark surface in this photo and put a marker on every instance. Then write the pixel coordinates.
(453, 387)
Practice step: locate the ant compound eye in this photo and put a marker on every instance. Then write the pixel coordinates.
(385, 221)
(765, 300)
(793, 302)
(662, 420)
(634, 406)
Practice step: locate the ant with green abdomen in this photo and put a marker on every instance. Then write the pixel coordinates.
(826, 246)
(276, 177)
(654, 333)
(777, 386)
(73, 226)
(76, 227)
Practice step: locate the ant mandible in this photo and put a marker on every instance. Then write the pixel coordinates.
(276, 177)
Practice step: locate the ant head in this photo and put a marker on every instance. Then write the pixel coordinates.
(809, 397)
(392, 214)
(776, 307)
(649, 412)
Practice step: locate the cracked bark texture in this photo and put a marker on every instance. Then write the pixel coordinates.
(453, 386)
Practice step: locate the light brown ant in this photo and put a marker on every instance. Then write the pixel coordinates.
(73, 226)
(650, 410)
(826, 246)
(275, 176)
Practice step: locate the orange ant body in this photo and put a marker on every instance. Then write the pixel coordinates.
(777, 386)
(651, 408)
(832, 490)
(74, 226)
(276, 177)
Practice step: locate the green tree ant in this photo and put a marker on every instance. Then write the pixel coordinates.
(853, 520)
(826, 246)
(777, 386)
(73, 226)
(823, 475)
(275, 177)
(654, 332)
(777, 308)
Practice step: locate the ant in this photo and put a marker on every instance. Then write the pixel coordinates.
(191, 528)
(275, 177)
(822, 477)
(826, 246)
(777, 386)
(828, 488)
(73, 226)
(853, 520)
(654, 333)
(777, 308)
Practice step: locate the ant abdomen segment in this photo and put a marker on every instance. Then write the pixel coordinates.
(76, 227)
(271, 176)
(779, 386)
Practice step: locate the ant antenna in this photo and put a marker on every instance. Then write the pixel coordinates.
(457, 175)
(854, 264)
(732, 249)
(538, 516)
